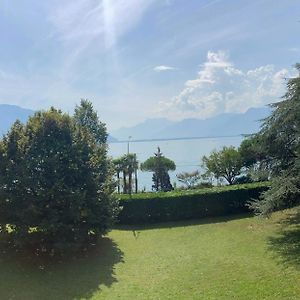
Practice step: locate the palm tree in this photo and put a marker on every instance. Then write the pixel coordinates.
(128, 165)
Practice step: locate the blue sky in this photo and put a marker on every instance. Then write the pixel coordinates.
(138, 59)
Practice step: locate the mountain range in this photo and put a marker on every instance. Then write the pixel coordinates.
(226, 124)
(10, 113)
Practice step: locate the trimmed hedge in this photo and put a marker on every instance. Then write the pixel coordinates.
(191, 204)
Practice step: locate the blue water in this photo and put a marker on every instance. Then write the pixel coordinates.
(185, 153)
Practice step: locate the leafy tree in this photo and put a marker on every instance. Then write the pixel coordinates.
(254, 159)
(280, 139)
(55, 183)
(86, 118)
(225, 163)
(159, 165)
(128, 165)
(189, 178)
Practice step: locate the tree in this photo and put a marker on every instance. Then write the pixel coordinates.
(128, 165)
(254, 159)
(189, 178)
(159, 165)
(280, 138)
(55, 183)
(86, 118)
(225, 163)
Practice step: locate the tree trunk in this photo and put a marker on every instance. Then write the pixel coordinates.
(129, 182)
(118, 180)
(136, 180)
(124, 183)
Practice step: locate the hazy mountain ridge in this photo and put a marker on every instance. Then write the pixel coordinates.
(226, 124)
(10, 113)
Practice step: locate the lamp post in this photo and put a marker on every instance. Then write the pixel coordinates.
(128, 143)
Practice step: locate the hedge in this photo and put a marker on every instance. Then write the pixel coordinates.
(190, 204)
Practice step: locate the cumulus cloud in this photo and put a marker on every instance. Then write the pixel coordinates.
(221, 87)
(163, 68)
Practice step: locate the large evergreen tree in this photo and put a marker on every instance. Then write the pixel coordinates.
(280, 139)
(86, 118)
(55, 182)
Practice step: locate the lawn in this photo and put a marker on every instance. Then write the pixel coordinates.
(240, 257)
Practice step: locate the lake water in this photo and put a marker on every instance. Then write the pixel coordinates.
(186, 154)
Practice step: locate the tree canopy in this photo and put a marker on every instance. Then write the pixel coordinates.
(128, 165)
(226, 163)
(280, 139)
(86, 118)
(189, 178)
(159, 165)
(55, 178)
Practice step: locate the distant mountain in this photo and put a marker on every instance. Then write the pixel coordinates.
(148, 129)
(10, 113)
(226, 124)
(111, 139)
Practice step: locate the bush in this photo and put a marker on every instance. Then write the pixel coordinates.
(191, 204)
(55, 184)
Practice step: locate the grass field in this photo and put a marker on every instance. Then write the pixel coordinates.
(224, 258)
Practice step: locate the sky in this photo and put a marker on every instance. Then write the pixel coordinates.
(140, 59)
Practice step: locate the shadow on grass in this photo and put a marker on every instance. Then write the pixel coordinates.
(174, 224)
(30, 277)
(286, 243)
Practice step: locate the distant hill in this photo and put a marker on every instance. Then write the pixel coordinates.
(10, 113)
(145, 130)
(226, 124)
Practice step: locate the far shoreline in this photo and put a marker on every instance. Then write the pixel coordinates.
(177, 139)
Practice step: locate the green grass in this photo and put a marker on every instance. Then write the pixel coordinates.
(222, 258)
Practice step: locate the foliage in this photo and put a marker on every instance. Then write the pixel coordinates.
(280, 139)
(250, 151)
(243, 179)
(55, 183)
(128, 165)
(86, 118)
(159, 165)
(190, 179)
(188, 204)
(226, 163)
(254, 159)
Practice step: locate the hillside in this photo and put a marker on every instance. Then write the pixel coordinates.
(10, 113)
(227, 124)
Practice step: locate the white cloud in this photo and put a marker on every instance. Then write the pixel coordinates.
(83, 21)
(163, 68)
(221, 87)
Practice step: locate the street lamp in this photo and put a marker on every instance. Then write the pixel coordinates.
(128, 143)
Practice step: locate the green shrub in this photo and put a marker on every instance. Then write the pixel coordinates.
(190, 204)
(55, 184)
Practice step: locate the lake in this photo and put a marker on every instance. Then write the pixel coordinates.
(186, 154)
